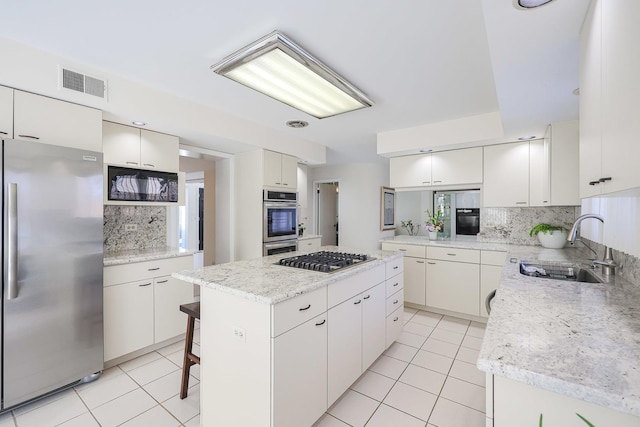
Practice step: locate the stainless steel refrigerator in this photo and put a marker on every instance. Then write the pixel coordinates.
(51, 321)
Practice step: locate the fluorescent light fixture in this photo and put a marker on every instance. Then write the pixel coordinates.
(277, 67)
(527, 138)
(138, 123)
(529, 4)
(426, 150)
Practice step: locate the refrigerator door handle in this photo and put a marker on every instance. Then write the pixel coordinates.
(12, 244)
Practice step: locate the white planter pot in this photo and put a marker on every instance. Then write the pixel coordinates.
(553, 240)
(433, 235)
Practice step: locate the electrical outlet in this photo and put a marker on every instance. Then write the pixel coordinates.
(130, 227)
(240, 334)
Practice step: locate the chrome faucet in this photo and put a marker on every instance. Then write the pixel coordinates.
(607, 263)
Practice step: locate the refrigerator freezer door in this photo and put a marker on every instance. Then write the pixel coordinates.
(52, 327)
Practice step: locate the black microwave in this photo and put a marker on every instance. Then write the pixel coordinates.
(127, 184)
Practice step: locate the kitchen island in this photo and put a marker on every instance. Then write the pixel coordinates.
(279, 344)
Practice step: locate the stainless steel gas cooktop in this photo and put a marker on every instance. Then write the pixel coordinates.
(325, 261)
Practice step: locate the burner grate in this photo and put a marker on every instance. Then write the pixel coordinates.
(324, 261)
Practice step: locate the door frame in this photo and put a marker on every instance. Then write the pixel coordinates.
(316, 204)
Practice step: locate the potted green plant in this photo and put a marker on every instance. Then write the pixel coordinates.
(433, 224)
(301, 229)
(550, 236)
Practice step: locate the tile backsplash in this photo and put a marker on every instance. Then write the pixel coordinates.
(150, 223)
(512, 225)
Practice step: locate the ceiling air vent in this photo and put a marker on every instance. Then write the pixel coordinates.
(82, 83)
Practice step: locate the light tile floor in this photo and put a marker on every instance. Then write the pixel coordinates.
(427, 378)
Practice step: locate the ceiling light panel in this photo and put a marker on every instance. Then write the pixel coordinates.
(530, 4)
(277, 67)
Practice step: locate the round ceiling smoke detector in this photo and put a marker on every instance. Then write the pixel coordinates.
(297, 124)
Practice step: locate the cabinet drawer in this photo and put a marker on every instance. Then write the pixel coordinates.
(114, 274)
(394, 326)
(493, 258)
(395, 301)
(394, 284)
(416, 251)
(454, 254)
(295, 311)
(347, 288)
(394, 267)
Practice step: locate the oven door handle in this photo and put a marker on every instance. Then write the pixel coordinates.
(282, 244)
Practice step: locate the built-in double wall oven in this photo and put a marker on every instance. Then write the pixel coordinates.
(280, 222)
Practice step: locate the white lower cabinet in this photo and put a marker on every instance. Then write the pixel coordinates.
(491, 266)
(168, 295)
(142, 304)
(128, 318)
(415, 273)
(373, 324)
(345, 346)
(300, 374)
(309, 244)
(394, 325)
(520, 404)
(453, 286)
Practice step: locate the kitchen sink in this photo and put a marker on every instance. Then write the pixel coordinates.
(558, 271)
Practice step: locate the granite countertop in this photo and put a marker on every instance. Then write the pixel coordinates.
(140, 255)
(263, 281)
(577, 339)
(309, 236)
(461, 242)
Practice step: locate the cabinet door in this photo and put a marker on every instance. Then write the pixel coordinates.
(309, 245)
(414, 280)
(410, 171)
(128, 318)
(289, 172)
(620, 93)
(50, 121)
(565, 163)
(300, 374)
(539, 173)
(373, 324)
(591, 102)
(6, 112)
(506, 175)
(457, 167)
(159, 151)
(272, 164)
(121, 144)
(453, 286)
(169, 293)
(489, 281)
(344, 347)
(394, 326)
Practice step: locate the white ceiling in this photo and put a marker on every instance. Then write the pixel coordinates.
(420, 61)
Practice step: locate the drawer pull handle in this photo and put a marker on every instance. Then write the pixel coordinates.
(153, 269)
(432, 263)
(3, 133)
(420, 262)
(594, 182)
(277, 183)
(451, 254)
(358, 302)
(395, 302)
(305, 308)
(367, 297)
(396, 284)
(149, 164)
(395, 267)
(395, 319)
(131, 163)
(436, 181)
(162, 281)
(605, 179)
(402, 250)
(521, 203)
(321, 323)
(28, 136)
(426, 182)
(144, 284)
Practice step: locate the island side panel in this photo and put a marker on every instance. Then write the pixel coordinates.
(235, 352)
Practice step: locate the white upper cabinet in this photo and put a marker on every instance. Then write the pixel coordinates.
(453, 167)
(50, 121)
(140, 148)
(457, 167)
(506, 175)
(609, 89)
(565, 163)
(410, 171)
(280, 170)
(6, 112)
(539, 185)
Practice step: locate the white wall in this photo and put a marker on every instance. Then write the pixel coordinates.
(621, 228)
(359, 201)
(224, 212)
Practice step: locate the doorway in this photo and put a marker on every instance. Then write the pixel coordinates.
(327, 202)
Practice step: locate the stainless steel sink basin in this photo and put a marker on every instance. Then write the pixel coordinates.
(558, 271)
